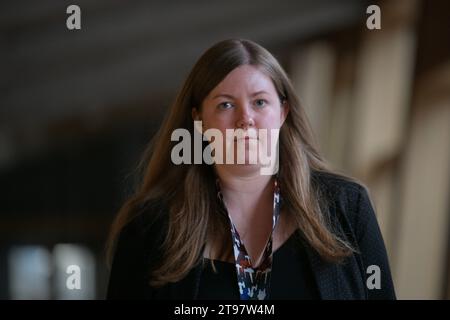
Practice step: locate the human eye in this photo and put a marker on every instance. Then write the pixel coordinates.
(225, 105)
(260, 103)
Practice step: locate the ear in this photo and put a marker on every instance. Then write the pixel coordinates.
(195, 114)
(196, 117)
(284, 111)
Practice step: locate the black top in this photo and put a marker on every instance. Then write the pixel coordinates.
(292, 277)
(349, 213)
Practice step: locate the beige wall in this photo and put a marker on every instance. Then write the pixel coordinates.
(377, 121)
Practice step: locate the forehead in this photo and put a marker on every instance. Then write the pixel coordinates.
(245, 79)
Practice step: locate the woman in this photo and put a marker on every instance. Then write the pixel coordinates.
(225, 230)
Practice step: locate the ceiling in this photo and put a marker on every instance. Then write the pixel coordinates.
(128, 51)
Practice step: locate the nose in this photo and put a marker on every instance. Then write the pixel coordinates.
(245, 118)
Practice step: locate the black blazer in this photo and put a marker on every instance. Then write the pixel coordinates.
(349, 211)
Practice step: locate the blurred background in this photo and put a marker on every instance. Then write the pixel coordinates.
(77, 108)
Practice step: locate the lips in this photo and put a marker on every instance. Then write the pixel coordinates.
(245, 138)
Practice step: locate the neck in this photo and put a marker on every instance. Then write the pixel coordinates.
(244, 190)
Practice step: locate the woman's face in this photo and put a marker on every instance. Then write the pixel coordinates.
(245, 99)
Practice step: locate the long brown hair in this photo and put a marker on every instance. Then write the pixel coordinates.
(188, 190)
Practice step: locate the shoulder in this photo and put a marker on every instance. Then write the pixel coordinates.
(348, 200)
(136, 252)
(148, 221)
(141, 236)
(353, 216)
(338, 187)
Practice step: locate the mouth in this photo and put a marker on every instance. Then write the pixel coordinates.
(245, 138)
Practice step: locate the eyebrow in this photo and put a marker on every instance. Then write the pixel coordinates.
(225, 95)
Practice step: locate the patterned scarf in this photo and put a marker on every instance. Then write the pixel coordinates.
(254, 283)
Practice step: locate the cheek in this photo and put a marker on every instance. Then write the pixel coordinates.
(271, 120)
(217, 121)
(207, 119)
(214, 123)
